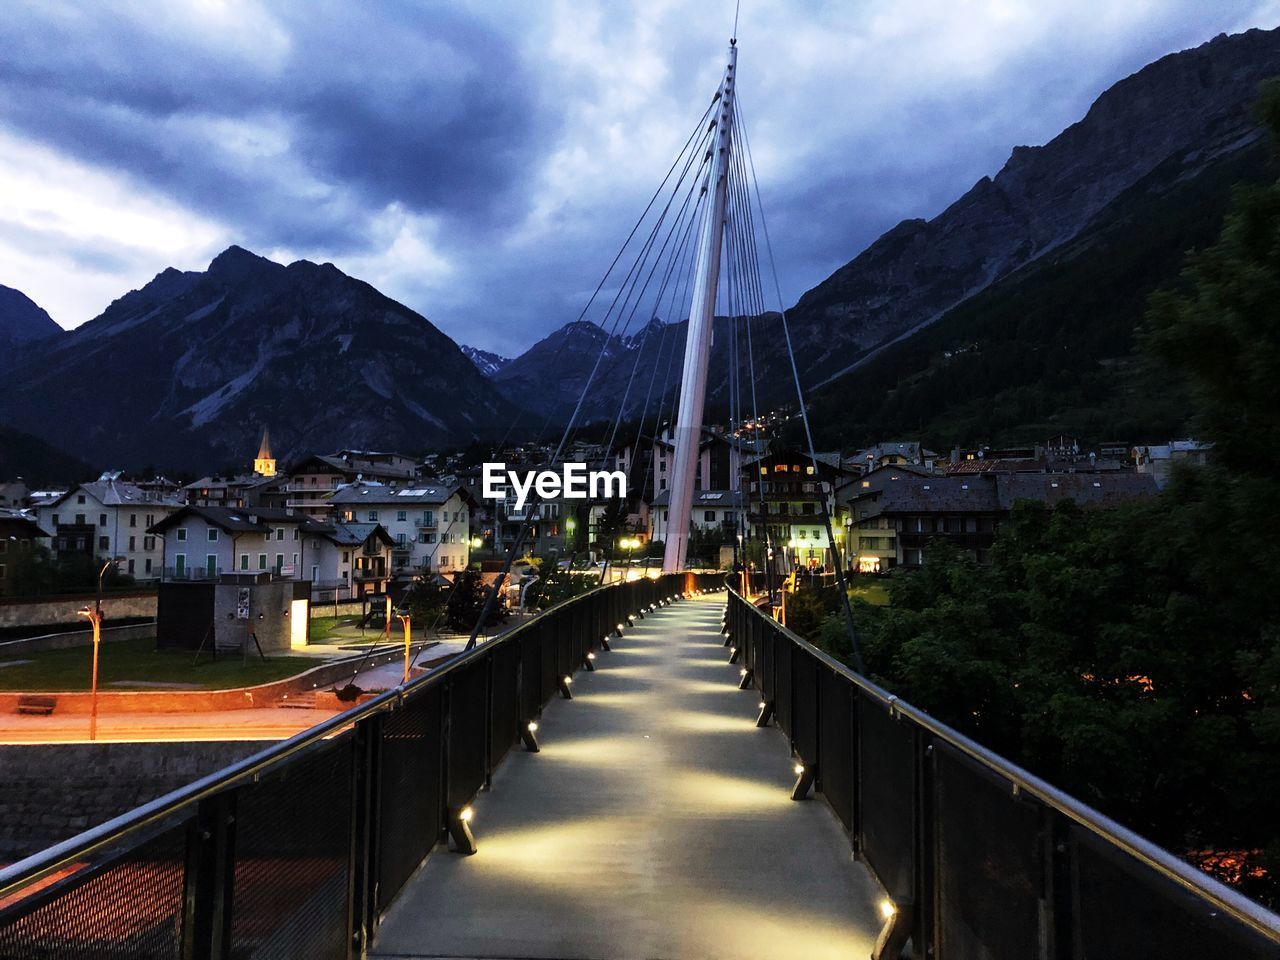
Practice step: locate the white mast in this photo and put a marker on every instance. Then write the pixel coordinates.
(697, 348)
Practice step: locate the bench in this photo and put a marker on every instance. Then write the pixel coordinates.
(38, 706)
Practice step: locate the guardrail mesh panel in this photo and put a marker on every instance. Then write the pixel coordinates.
(989, 865)
(886, 797)
(550, 659)
(531, 699)
(804, 703)
(128, 908)
(505, 692)
(782, 682)
(836, 759)
(1127, 910)
(292, 853)
(410, 791)
(468, 710)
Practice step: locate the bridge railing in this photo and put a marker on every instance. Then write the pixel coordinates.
(979, 857)
(298, 850)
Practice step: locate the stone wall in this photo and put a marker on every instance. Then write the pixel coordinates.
(51, 792)
(23, 612)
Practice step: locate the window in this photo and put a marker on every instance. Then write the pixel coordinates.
(131, 565)
(148, 543)
(80, 520)
(151, 519)
(182, 534)
(213, 534)
(133, 519)
(373, 515)
(180, 564)
(262, 561)
(279, 562)
(80, 499)
(400, 539)
(104, 543)
(133, 544)
(102, 517)
(279, 533)
(244, 561)
(709, 516)
(428, 517)
(146, 565)
(55, 519)
(402, 514)
(345, 556)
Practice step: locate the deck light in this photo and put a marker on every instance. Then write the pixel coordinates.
(733, 654)
(528, 736)
(805, 776)
(895, 932)
(464, 841)
(604, 643)
(747, 676)
(766, 714)
(564, 687)
(588, 662)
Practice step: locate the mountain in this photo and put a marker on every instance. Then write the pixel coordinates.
(487, 363)
(22, 321)
(1192, 106)
(36, 462)
(189, 369)
(1052, 347)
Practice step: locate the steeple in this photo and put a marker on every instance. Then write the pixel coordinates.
(264, 465)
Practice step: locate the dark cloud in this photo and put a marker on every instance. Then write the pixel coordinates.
(482, 162)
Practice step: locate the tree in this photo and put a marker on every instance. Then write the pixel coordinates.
(467, 600)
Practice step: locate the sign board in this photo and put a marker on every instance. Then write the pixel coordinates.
(242, 604)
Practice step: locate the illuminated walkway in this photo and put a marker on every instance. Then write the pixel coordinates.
(656, 822)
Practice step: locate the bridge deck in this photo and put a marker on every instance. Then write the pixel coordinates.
(655, 822)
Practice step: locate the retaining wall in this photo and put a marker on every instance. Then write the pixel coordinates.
(35, 611)
(50, 792)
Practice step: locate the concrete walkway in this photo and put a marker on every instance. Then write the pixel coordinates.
(655, 823)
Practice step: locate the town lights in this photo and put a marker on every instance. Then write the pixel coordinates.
(528, 736)
(476, 543)
(460, 830)
(805, 775)
(896, 930)
(564, 687)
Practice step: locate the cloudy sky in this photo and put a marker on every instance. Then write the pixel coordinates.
(482, 161)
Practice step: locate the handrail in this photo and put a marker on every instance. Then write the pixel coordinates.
(33, 868)
(1247, 911)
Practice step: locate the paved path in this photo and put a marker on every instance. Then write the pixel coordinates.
(655, 823)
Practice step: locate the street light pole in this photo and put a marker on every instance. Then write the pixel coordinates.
(405, 619)
(95, 618)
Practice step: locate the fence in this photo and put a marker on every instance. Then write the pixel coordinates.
(298, 850)
(980, 858)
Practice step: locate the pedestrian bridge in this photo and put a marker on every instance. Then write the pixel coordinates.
(654, 769)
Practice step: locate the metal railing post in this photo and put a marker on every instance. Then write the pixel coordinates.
(209, 880)
(366, 830)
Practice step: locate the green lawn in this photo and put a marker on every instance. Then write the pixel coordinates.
(138, 661)
(874, 593)
(327, 629)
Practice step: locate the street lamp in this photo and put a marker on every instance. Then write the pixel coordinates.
(629, 544)
(404, 618)
(95, 618)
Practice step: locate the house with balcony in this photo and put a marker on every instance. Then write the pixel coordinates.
(347, 560)
(204, 543)
(19, 533)
(315, 479)
(107, 519)
(429, 522)
(714, 512)
(786, 494)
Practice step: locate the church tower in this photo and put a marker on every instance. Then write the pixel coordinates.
(264, 465)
